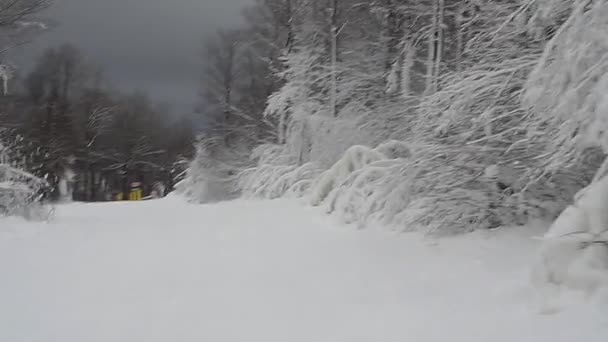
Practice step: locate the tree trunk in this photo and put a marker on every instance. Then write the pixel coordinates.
(409, 53)
(459, 38)
(289, 26)
(439, 49)
(432, 50)
(334, 58)
(392, 34)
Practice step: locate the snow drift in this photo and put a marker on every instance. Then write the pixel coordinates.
(574, 252)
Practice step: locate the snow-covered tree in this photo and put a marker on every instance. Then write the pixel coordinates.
(477, 90)
(566, 92)
(20, 191)
(567, 86)
(212, 174)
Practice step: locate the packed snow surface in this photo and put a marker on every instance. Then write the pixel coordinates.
(267, 271)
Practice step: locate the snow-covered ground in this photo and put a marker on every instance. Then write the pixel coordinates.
(266, 271)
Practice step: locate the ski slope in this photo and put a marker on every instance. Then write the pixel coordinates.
(266, 271)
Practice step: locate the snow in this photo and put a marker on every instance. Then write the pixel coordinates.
(165, 270)
(574, 253)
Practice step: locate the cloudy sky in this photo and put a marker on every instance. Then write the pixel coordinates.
(151, 45)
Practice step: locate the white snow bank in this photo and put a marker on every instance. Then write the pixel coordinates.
(574, 252)
(165, 270)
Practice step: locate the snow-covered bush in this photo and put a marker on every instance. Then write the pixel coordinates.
(274, 181)
(20, 191)
(275, 176)
(362, 196)
(212, 174)
(354, 159)
(447, 189)
(443, 189)
(439, 189)
(355, 187)
(574, 252)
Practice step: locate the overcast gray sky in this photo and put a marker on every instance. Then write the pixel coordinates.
(151, 45)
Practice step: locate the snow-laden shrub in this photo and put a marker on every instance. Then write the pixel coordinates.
(443, 189)
(361, 197)
(212, 174)
(314, 143)
(274, 181)
(420, 190)
(276, 174)
(455, 189)
(357, 187)
(271, 154)
(355, 158)
(20, 191)
(19, 196)
(574, 252)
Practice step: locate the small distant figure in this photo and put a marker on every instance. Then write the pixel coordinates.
(136, 192)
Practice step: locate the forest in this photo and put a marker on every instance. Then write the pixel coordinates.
(441, 115)
(62, 123)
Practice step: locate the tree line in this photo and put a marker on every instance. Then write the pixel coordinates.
(87, 140)
(496, 100)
